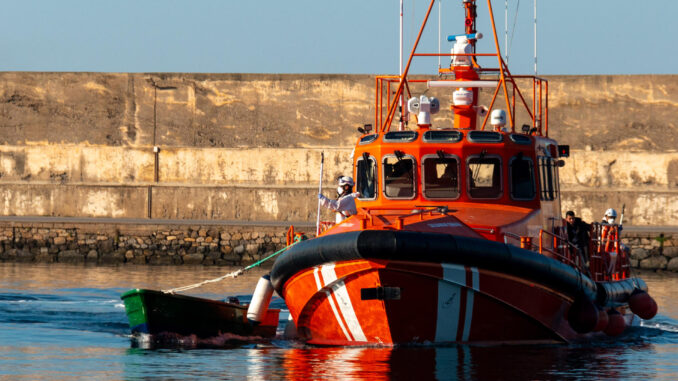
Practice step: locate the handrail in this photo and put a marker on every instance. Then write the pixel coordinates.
(565, 256)
(455, 54)
(490, 230)
(439, 209)
(508, 235)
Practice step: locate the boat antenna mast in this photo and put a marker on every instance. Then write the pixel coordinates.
(535, 38)
(401, 101)
(467, 80)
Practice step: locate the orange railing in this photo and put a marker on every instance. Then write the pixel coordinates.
(561, 249)
(509, 235)
(538, 113)
(325, 226)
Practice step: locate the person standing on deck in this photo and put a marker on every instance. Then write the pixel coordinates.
(578, 233)
(610, 238)
(610, 235)
(344, 205)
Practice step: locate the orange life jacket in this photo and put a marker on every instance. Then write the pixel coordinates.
(609, 238)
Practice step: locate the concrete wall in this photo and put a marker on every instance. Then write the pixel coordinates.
(248, 146)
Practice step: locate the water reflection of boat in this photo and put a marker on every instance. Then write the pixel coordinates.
(458, 235)
(462, 362)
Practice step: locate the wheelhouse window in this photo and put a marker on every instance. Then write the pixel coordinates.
(399, 176)
(548, 178)
(441, 177)
(366, 179)
(521, 172)
(484, 176)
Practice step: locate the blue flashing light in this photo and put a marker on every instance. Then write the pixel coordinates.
(470, 36)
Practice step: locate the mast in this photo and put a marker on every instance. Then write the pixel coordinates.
(439, 26)
(506, 29)
(535, 38)
(400, 69)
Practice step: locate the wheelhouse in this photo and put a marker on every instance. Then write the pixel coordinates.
(442, 167)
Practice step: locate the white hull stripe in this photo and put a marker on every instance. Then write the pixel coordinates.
(344, 302)
(319, 284)
(449, 302)
(469, 302)
(447, 324)
(449, 298)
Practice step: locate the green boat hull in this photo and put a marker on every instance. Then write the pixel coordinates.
(154, 312)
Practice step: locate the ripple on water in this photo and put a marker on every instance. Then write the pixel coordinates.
(75, 328)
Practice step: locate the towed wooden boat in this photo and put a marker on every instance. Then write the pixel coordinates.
(167, 318)
(458, 236)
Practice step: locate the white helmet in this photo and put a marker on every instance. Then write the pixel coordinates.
(343, 180)
(611, 213)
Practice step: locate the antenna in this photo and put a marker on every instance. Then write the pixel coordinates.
(439, 11)
(535, 37)
(400, 71)
(506, 29)
(400, 55)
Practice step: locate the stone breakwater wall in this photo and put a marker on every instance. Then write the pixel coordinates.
(214, 245)
(139, 244)
(247, 146)
(652, 251)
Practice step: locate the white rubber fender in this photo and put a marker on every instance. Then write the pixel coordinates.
(260, 300)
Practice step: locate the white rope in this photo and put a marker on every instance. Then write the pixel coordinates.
(196, 285)
(229, 275)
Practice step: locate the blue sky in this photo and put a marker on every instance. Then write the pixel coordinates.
(322, 36)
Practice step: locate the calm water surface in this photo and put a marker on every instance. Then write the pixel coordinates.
(67, 322)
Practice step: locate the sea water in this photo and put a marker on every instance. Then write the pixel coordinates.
(66, 322)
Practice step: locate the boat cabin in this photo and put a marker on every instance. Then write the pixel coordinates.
(512, 177)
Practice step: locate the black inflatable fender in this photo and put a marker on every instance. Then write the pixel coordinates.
(431, 248)
(615, 293)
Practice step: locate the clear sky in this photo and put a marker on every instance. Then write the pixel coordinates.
(325, 36)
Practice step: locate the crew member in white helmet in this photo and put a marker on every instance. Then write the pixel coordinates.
(344, 205)
(610, 217)
(610, 238)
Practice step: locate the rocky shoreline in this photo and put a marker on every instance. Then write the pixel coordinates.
(139, 244)
(220, 245)
(653, 251)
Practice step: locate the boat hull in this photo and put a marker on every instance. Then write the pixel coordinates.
(156, 313)
(437, 299)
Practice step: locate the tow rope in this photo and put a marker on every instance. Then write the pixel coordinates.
(233, 274)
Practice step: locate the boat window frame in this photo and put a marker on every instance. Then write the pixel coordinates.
(376, 180)
(413, 136)
(549, 181)
(469, 176)
(481, 137)
(428, 140)
(367, 139)
(520, 139)
(423, 176)
(510, 175)
(414, 176)
(543, 187)
(556, 178)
